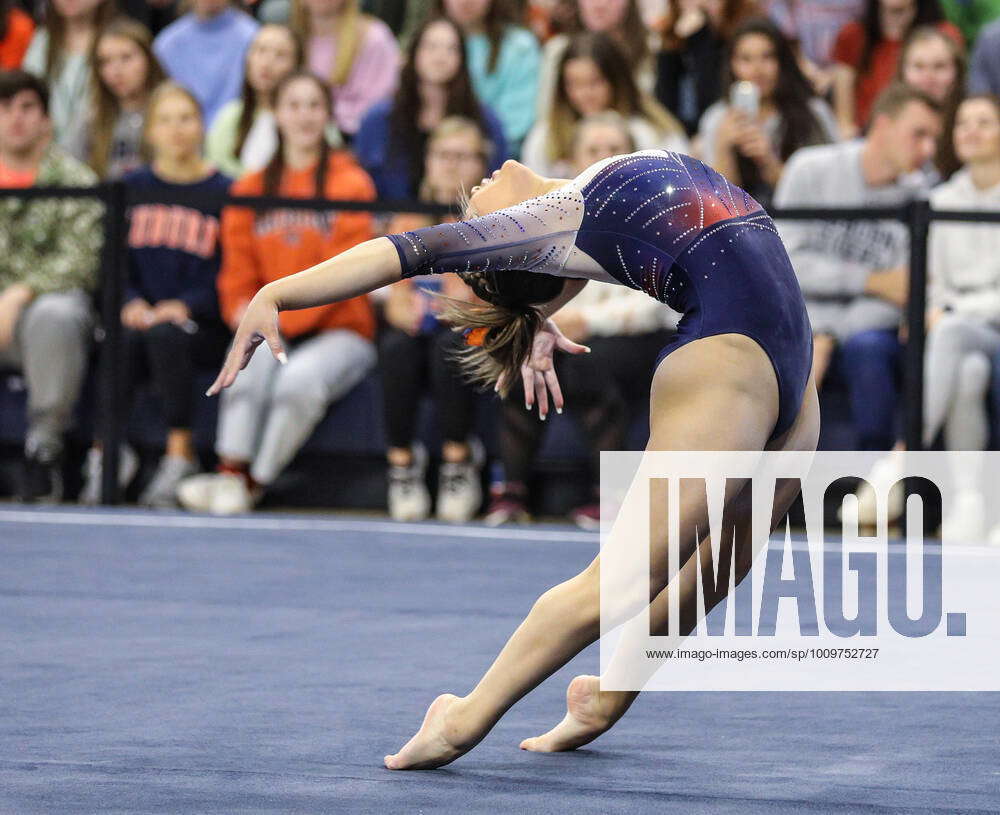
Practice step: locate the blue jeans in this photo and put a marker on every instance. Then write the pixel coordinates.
(868, 362)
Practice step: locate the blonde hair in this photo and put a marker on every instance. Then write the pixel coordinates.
(353, 26)
(161, 92)
(448, 127)
(506, 321)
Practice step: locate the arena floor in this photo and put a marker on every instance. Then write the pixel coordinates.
(171, 663)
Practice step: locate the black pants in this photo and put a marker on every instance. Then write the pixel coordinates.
(169, 357)
(597, 387)
(412, 365)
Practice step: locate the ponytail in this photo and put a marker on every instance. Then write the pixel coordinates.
(507, 322)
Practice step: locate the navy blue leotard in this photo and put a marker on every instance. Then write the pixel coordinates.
(659, 221)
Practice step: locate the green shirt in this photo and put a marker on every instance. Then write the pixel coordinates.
(52, 244)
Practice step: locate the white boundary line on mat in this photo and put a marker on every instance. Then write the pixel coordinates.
(278, 523)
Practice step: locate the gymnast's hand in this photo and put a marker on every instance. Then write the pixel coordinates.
(538, 372)
(259, 324)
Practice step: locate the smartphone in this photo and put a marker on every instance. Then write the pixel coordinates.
(745, 96)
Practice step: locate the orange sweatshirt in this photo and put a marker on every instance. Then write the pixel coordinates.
(258, 247)
(20, 29)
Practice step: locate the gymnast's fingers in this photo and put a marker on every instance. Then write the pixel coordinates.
(553, 383)
(528, 381)
(542, 395)
(570, 347)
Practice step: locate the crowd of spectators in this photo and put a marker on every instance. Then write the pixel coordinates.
(801, 102)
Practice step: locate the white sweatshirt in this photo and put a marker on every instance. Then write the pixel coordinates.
(612, 310)
(964, 258)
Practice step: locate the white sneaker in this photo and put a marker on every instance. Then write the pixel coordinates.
(217, 493)
(161, 492)
(966, 521)
(409, 499)
(885, 472)
(93, 466)
(460, 492)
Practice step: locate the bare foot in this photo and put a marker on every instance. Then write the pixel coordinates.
(440, 740)
(586, 718)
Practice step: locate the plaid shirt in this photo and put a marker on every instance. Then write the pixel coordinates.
(52, 245)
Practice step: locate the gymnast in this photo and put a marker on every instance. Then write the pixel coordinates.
(737, 376)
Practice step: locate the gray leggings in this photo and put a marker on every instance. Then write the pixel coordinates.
(271, 409)
(956, 379)
(51, 343)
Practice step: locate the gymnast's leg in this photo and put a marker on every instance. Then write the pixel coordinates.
(734, 409)
(590, 711)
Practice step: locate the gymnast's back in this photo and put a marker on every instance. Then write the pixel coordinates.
(653, 220)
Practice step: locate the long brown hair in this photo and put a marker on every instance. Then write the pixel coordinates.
(500, 15)
(944, 159)
(632, 36)
(460, 101)
(792, 96)
(248, 95)
(350, 36)
(55, 25)
(106, 107)
(507, 321)
(626, 98)
(276, 166)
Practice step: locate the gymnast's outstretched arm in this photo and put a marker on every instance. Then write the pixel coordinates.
(359, 270)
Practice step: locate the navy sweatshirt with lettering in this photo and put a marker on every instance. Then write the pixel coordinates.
(174, 250)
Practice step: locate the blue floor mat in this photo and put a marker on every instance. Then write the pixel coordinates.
(165, 663)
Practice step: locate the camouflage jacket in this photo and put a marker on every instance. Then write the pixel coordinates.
(52, 244)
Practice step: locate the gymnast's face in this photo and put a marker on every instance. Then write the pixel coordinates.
(511, 184)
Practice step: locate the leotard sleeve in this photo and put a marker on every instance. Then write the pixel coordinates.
(536, 236)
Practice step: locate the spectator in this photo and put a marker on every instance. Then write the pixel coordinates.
(984, 71)
(932, 62)
(170, 313)
(971, 16)
(127, 71)
(599, 136)
(503, 60)
(812, 27)
(60, 54)
(867, 51)
(594, 77)
(354, 53)
(696, 35)
(963, 326)
(244, 136)
(621, 20)
(16, 31)
(266, 418)
(625, 328)
(434, 84)
(964, 292)
(50, 250)
(750, 143)
(854, 274)
(416, 351)
(204, 52)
